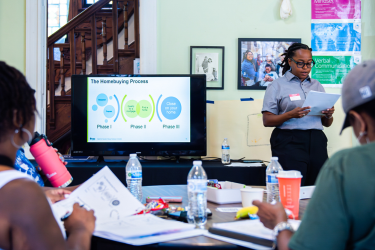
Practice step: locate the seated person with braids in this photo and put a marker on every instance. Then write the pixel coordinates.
(340, 214)
(26, 218)
(298, 140)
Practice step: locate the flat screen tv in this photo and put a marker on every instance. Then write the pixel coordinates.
(115, 115)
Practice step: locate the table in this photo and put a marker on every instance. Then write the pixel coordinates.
(171, 172)
(199, 242)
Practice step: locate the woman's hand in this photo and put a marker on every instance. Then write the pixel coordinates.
(299, 112)
(270, 215)
(61, 157)
(80, 220)
(329, 112)
(56, 194)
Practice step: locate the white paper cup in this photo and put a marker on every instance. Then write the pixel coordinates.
(248, 195)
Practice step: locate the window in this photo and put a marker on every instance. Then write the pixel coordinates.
(57, 14)
(87, 3)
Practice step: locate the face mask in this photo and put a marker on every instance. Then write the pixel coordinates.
(30, 137)
(361, 134)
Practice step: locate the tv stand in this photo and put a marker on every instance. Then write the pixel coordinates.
(100, 159)
(177, 159)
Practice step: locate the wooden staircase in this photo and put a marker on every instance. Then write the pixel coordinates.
(93, 28)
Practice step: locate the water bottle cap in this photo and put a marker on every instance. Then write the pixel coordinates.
(274, 158)
(197, 163)
(133, 155)
(225, 138)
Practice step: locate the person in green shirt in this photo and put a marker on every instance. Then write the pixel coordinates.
(340, 214)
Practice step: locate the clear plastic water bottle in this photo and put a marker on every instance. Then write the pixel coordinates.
(225, 152)
(197, 193)
(271, 181)
(134, 176)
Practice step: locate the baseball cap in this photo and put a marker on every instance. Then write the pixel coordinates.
(358, 88)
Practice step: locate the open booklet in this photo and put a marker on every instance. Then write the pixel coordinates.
(114, 207)
(252, 231)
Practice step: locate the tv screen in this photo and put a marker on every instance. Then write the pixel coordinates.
(145, 114)
(259, 59)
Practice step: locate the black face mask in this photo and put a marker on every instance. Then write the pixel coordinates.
(6, 161)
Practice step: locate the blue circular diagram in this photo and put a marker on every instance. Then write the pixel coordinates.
(109, 111)
(171, 108)
(102, 100)
(95, 107)
(110, 98)
(106, 120)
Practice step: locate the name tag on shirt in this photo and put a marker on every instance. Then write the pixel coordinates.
(295, 97)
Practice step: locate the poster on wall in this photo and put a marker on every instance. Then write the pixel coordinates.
(335, 9)
(331, 70)
(259, 59)
(336, 37)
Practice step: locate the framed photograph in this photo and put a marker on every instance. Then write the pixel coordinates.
(259, 59)
(208, 60)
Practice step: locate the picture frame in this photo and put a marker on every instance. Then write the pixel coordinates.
(208, 60)
(260, 67)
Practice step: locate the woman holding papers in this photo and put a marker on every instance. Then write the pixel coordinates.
(298, 139)
(26, 218)
(340, 212)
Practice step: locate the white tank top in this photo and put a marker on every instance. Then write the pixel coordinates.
(11, 175)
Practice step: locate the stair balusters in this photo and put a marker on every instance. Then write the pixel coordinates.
(83, 53)
(126, 46)
(62, 76)
(104, 38)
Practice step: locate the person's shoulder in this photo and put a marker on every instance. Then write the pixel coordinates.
(21, 189)
(277, 82)
(347, 157)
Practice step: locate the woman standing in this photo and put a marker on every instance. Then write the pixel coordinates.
(298, 140)
(248, 69)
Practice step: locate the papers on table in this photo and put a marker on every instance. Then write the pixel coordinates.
(253, 228)
(141, 226)
(114, 208)
(237, 242)
(240, 164)
(228, 209)
(103, 193)
(319, 101)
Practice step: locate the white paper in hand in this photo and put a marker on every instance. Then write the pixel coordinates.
(319, 101)
(105, 194)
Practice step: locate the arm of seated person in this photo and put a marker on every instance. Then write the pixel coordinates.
(31, 223)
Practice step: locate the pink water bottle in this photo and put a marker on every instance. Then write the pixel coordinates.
(49, 161)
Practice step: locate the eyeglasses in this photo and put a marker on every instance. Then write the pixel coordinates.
(302, 64)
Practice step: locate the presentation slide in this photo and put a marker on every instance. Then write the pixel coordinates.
(138, 109)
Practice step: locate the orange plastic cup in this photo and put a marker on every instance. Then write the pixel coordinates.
(289, 188)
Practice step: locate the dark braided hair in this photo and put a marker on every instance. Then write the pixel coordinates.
(289, 53)
(15, 95)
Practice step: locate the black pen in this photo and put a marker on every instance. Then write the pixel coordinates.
(66, 216)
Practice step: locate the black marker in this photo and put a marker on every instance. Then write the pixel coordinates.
(66, 216)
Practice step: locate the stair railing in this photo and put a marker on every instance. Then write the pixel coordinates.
(71, 28)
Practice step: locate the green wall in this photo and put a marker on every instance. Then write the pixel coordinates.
(13, 33)
(182, 24)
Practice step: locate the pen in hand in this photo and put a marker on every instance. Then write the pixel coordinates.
(66, 216)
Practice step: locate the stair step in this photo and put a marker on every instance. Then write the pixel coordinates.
(61, 45)
(126, 52)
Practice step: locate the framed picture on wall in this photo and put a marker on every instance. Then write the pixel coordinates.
(208, 60)
(259, 59)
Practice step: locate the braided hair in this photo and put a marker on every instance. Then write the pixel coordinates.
(15, 95)
(289, 53)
